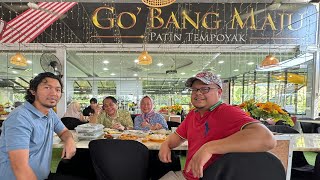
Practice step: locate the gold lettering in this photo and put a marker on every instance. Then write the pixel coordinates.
(290, 22)
(186, 17)
(95, 18)
(172, 20)
(281, 21)
(132, 16)
(269, 21)
(154, 16)
(242, 24)
(204, 21)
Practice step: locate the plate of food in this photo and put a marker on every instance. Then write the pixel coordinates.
(128, 137)
(112, 131)
(157, 137)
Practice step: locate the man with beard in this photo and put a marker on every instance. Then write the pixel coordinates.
(212, 129)
(27, 136)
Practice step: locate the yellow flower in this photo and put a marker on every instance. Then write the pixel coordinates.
(266, 110)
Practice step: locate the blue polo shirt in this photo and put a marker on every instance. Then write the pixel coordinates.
(28, 128)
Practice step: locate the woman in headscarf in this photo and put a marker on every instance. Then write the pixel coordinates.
(74, 111)
(112, 117)
(149, 120)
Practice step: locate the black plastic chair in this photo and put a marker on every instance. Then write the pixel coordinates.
(80, 165)
(317, 168)
(172, 124)
(246, 166)
(300, 166)
(115, 159)
(71, 122)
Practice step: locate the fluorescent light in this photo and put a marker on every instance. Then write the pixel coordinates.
(135, 74)
(183, 73)
(236, 70)
(220, 62)
(112, 74)
(250, 63)
(106, 62)
(136, 60)
(29, 62)
(302, 58)
(105, 69)
(159, 64)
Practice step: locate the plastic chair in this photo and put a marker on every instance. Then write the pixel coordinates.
(115, 159)
(71, 122)
(248, 166)
(80, 165)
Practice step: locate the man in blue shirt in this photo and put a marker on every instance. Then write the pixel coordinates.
(27, 133)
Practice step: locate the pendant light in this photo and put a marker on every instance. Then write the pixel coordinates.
(18, 59)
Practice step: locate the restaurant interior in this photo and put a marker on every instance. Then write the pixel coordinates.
(266, 51)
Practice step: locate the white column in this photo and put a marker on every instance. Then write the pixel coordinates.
(62, 56)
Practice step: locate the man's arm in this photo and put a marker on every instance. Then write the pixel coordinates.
(165, 149)
(19, 160)
(254, 137)
(69, 149)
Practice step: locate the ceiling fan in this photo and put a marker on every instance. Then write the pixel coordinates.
(276, 5)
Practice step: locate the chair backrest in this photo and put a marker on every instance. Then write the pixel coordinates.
(115, 159)
(71, 122)
(282, 129)
(172, 124)
(248, 166)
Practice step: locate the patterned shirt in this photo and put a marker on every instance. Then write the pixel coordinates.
(157, 118)
(123, 117)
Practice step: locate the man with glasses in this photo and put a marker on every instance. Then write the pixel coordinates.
(212, 129)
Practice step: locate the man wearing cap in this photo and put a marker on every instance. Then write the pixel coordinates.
(212, 129)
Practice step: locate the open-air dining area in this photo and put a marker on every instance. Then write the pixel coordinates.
(151, 89)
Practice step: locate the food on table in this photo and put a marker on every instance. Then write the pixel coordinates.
(157, 137)
(108, 136)
(128, 137)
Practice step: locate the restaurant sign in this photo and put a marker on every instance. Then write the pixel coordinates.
(201, 23)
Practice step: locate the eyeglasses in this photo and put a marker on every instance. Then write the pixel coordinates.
(203, 90)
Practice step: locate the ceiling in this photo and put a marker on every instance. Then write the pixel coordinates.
(85, 61)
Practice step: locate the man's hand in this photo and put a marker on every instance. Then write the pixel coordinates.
(165, 153)
(199, 159)
(69, 149)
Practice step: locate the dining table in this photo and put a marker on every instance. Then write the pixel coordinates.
(300, 142)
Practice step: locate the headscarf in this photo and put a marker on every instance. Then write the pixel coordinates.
(73, 110)
(148, 116)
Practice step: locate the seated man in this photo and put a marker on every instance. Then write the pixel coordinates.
(213, 129)
(90, 110)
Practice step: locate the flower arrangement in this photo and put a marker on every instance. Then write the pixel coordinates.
(264, 111)
(172, 109)
(176, 108)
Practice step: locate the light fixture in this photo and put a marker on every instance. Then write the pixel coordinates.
(158, 3)
(270, 60)
(144, 58)
(18, 59)
(302, 58)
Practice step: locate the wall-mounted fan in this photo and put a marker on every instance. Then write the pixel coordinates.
(50, 63)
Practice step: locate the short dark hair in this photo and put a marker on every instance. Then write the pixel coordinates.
(34, 83)
(93, 100)
(114, 100)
